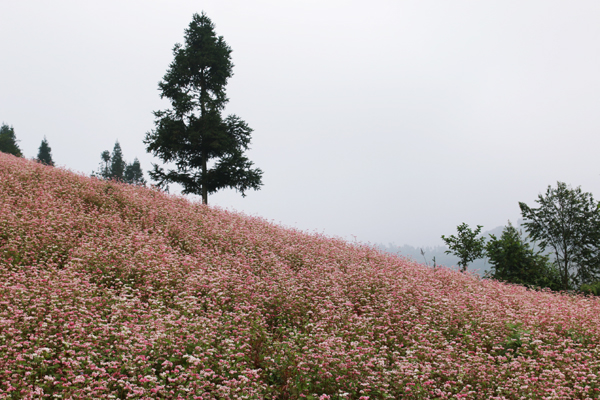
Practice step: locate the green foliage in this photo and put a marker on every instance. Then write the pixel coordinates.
(44, 153)
(513, 260)
(117, 163)
(591, 288)
(134, 174)
(192, 132)
(568, 222)
(514, 340)
(105, 169)
(466, 245)
(8, 141)
(113, 166)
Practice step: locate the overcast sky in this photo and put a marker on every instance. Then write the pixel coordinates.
(380, 121)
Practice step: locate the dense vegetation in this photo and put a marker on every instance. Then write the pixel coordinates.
(110, 290)
(114, 167)
(8, 141)
(566, 225)
(208, 150)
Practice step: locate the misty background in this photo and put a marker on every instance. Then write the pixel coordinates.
(387, 123)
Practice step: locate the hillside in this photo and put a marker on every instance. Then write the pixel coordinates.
(115, 291)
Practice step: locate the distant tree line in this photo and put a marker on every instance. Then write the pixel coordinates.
(8, 144)
(113, 166)
(566, 224)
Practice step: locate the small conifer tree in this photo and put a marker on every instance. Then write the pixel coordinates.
(113, 166)
(117, 164)
(8, 141)
(45, 153)
(134, 174)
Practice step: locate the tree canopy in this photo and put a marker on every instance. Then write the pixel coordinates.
(192, 132)
(113, 166)
(133, 173)
(514, 260)
(117, 163)
(466, 246)
(8, 141)
(567, 222)
(45, 153)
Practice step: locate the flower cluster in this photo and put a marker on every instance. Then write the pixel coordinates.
(112, 291)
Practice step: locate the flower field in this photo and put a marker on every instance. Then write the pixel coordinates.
(111, 291)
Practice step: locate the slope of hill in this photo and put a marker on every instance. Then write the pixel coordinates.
(115, 291)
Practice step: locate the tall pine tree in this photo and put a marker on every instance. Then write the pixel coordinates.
(117, 163)
(192, 132)
(8, 141)
(44, 153)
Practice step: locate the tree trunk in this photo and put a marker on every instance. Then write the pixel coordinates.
(202, 113)
(566, 276)
(204, 190)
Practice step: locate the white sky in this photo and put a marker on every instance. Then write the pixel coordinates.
(384, 121)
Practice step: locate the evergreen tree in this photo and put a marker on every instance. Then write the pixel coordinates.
(8, 141)
(513, 260)
(193, 132)
(117, 163)
(113, 166)
(44, 154)
(134, 174)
